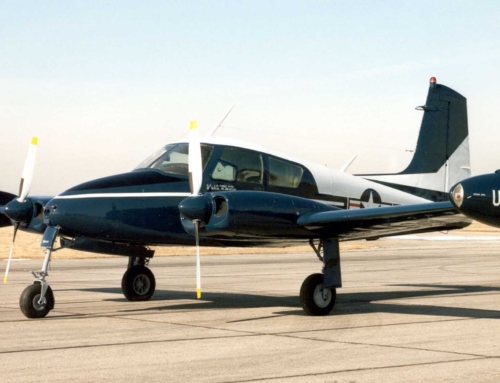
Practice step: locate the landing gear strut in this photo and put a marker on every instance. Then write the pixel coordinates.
(138, 282)
(37, 300)
(318, 291)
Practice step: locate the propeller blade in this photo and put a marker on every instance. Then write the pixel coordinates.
(198, 260)
(16, 226)
(195, 163)
(5, 198)
(29, 167)
(195, 168)
(4, 220)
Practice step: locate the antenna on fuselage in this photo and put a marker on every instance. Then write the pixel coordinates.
(347, 164)
(213, 130)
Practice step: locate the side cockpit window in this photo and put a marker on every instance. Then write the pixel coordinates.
(224, 171)
(174, 159)
(284, 174)
(239, 165)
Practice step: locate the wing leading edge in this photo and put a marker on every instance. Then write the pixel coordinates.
(347, 225)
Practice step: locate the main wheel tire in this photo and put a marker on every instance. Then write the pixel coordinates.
(311, 296)
(28, 302)
(138, 283)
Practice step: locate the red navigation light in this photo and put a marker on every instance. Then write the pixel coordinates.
(433, 79)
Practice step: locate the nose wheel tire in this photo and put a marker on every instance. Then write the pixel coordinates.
(30, 304)
(314, 300)
(138, 284)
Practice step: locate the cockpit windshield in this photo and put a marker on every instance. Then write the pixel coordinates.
(174, 158)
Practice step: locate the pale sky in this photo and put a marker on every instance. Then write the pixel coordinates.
(104, 84)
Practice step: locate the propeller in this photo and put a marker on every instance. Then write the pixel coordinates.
(5, 198)
(28, 170)
(16, 226)
(194, 165)
(195, 179)
(20, 210)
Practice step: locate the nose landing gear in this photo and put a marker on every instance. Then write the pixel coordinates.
(32, 304)
(37, 300)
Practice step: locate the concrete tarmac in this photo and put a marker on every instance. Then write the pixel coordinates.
(423, 311)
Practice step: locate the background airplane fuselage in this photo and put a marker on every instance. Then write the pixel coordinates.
(479, 198)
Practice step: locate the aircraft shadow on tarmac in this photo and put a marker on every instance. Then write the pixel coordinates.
(347, 303)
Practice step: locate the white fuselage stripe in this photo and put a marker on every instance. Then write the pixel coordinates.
(152, 195)
(331, 203)
(122, 195)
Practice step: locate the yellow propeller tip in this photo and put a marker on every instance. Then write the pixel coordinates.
(34, 141)
(198, 293)
(4, 279)
(193, 125)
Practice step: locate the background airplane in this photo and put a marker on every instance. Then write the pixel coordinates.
(220, 192)
(479, 198)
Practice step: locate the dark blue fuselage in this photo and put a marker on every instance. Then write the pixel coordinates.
(142, 207)
(137, 207)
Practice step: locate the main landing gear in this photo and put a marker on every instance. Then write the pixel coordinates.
(318, 291)
(138, 282)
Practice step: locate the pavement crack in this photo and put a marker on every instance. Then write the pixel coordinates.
(388, 346)
(120, 344)
(348, 370)
(378, 325)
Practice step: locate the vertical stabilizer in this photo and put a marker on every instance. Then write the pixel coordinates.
(441, 157)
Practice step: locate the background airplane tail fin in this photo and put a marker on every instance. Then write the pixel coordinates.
(441, 157)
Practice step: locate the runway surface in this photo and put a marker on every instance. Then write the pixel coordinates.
(422, 311)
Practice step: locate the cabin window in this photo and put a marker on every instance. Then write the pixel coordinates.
(174, 159)
(239, 165)
(284, 174)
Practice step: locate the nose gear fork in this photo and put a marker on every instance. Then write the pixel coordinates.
(40, 276)
(48, 240)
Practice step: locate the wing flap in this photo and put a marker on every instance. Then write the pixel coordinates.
(347, 225)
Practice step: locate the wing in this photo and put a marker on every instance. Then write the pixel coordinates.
(241, 215)
(380, 222)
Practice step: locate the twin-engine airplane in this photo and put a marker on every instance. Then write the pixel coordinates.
(219, 192)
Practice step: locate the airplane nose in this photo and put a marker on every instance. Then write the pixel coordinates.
(457, 195)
